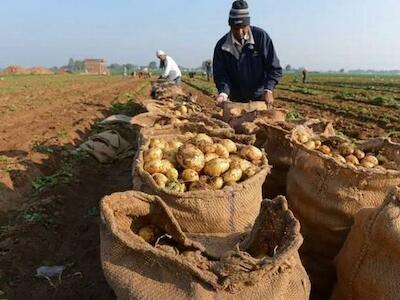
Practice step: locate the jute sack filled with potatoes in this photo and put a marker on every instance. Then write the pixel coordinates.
(210, 184)
(145, 254)
(329, 182)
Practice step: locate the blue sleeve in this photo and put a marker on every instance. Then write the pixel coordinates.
(273, 69)
(221, 78)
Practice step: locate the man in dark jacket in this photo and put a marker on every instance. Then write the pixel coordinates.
(245, 67)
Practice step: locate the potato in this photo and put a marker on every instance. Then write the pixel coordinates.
(318, 144)
(367, 164)
(178, 113)
(175, 186)
(202, 137)
(310, 145)
(250, 172)
(221, 151)
(359, 154)
(346, 149)
(229, 145)
(160, 179)
(339, 158)
(241, 163)
(257, 162)
(189, 175)
(152, 154)
(183, 109)
(190, 157)
(206, 147)
(302, 137)
(148, 233)
(154, 166)
(171, 157)
(210, 156)
(157, 143)
(352, 160)
(217, 183)
(251, 153)
(233, 175)
(172, 174)
(371, 159)
(216, 167)
(325, 149)
(173, 145)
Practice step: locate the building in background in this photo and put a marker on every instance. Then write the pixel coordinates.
(96, 67)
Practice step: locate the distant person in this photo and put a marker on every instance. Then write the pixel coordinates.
(246, 67)
(169, 68)
(305, 75)
(208, 70)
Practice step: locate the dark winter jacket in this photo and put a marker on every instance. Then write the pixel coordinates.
(246, 76)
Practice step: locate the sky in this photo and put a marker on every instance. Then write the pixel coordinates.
(317, 34)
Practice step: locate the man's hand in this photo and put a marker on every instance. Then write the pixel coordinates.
(269, 98)
(221, 98)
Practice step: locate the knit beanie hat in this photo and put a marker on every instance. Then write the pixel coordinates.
(239, 14)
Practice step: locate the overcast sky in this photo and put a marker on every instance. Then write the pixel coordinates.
(317, 34)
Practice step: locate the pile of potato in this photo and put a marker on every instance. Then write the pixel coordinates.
(200, 163)
(346, 152)
(184, 108)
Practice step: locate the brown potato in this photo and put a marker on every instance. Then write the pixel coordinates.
(371, 159)
(210, 156)
(346, 149)
(206, 147)
(152, 154)
(148, 233)
(325, 149)
(359, 154)
(310, 145)
(172, 174)
(202, 137)
(217, 183)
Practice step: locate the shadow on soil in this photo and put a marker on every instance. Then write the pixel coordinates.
(58, 223)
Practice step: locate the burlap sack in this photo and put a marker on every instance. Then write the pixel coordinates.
(231, 209)
(219, 266)
(274, 138)
(325, 195)
(368, 264)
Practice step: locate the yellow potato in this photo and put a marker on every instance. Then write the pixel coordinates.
(317, 144)
(339, 158)
(217, 183)
(202, 137)
(250, 172)
(206, 147)
(251, 153)
(190, 157)
(221, 151)
(233, 175)
(302, 137)
(160, 179)
(310, 145)
(367, 164)
(216, 167)
(352, 160)
(148, 233)
(178, 113)
(210, 156)
(189, 175)
(229, 145)
(175, 186)
(359, 154)
(346, 149)
(325, 149)
(183, 109)
(370, 159)
(157, 143)
(152, 154)
(154, 166)
(172, 174)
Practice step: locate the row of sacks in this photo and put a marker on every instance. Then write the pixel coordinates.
(327, 180)
(196, 226)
